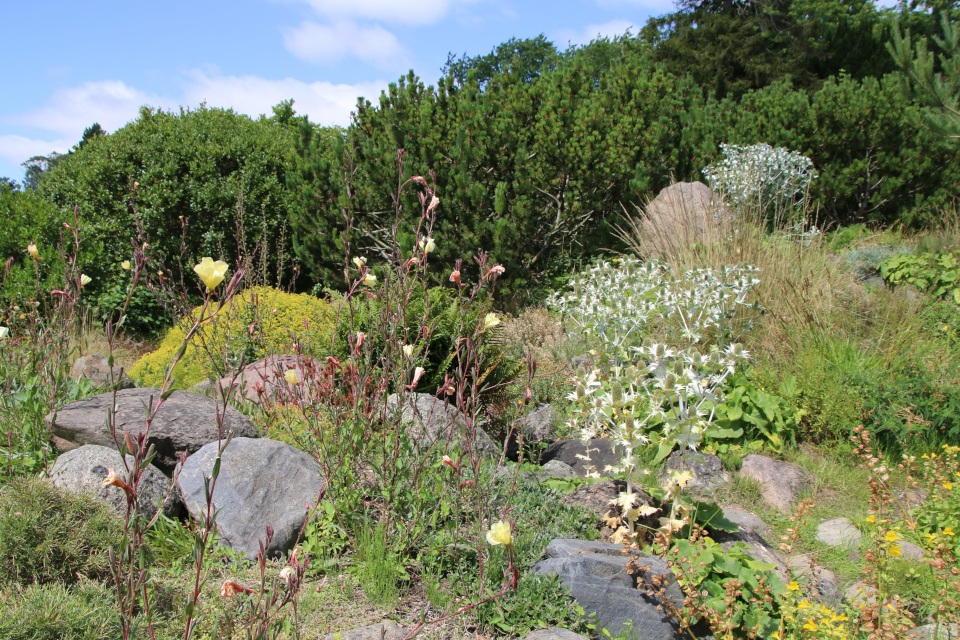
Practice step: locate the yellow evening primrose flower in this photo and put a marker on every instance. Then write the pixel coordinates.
(32, 250)
(499, 534)
(125, 265)
(210, 272)
(369, 279)
(359, 262)
(290, 375)
(408, 350)
(491, 320)
(4, 332)
(427, 245)
(85, 279)
(891, 536)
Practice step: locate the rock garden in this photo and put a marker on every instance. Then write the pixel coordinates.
(720, 433)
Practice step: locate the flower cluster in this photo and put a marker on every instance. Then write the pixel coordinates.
(761, 175)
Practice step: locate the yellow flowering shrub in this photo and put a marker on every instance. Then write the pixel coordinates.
(257, 322)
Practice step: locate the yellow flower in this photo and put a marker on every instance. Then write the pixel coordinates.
(4, 332)
(947, 486)
(871, 518)
(491, 320)
(895, 551)
(359, 262)
(85, 279)
(499, 534)
(211, 273)
(408, 350)
(427, 245)
(32, 250)
(288, 574)
(369, 279)
(948, 531)
(125, 265)
(891, 536)
(793, 586)
(290, 375)
(803, 604)
(810, 626)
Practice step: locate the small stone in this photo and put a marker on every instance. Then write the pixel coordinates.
(96, 369)
(860, 594)
(386, 630)
(910, 551)
(826, 580)
(537, 430)
(747, 521)
(554, 633)
(557, 469)
(838, 532)
(602, 455)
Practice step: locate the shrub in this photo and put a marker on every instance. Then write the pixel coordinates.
(257, 323)
(55, 612)
(937, 274)
(51, 535)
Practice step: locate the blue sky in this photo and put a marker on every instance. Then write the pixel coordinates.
(70, 63)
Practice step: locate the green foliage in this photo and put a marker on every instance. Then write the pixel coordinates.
(257, 322)
(525, 60)
(51, 535)
(27, 218)
(938, 520)
(757, 418)
(935, 274)
(185, 174)
(379, 568)
(85, 611)
(706, 570)
(538, 602)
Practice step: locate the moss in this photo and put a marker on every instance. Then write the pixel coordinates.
(256, 323)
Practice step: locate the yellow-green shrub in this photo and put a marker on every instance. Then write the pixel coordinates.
(277, 319)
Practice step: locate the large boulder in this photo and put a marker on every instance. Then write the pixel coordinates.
(707, 470)
(572, 452)
(262, 483)
(781, 483)
(185, 422)
(682, 214)
(83, 470)
(431, 421)
(536, 429)
(596, 575)
(97, 370)
(264, 380)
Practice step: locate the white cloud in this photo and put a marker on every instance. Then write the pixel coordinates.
(319, 43)
(17, 149)
(655, 7)
(68, 111)
(593, 31)
(325, 102)
(402, 11)
(113, 104)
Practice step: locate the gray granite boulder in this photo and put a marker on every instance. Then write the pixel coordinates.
(262, 483)
(431, 421)
(96, 369)
(682, 214)
(557, 469)
(185, 422)
(84, 468)
(838, 532)
(596, 575)
(602, 454)
(943, 631)
(707, 470)
(781, 483)
(536, 429)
